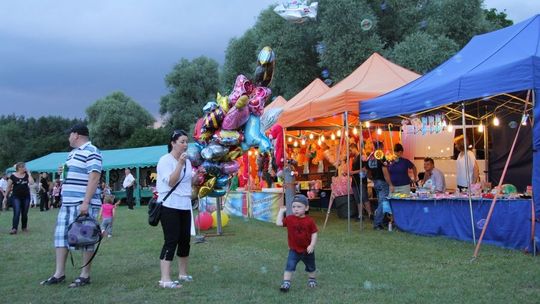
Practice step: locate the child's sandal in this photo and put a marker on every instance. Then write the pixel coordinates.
(170, 284)
(312, 283)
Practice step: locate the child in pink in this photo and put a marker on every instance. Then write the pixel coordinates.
(107, 215)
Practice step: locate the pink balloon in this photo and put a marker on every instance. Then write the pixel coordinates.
(203, 221)
(257, 100)
(242, 86)
(235, 118)
(230, 167)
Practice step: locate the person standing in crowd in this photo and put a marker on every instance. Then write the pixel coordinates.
(176, 214)
(44, 192)
(433, 177)
(18, 186)
(3, 188)
(34, 189)
(128, 185)
(359, 177)
(79, 196)
(396, 172)
(375, 172)
(57, 188)
(302, 238)
(462, 170)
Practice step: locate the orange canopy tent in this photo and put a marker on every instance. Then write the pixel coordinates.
(279, 102)
(299, 104)
(375, 77)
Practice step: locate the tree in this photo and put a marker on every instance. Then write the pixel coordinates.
(498, 19)
(191, 84)
(421, 52)
(24, 139)
(113, 119)
(145, 137)
(239, 59)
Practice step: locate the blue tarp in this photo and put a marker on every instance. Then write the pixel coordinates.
(503, 61)
(509, 227)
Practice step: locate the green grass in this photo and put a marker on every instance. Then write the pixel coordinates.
(246, 265)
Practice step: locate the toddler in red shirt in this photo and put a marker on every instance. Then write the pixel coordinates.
(302, 237)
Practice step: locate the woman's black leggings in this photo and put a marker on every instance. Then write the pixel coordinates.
(176, 226)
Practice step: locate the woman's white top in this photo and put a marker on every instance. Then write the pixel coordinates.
(461, 171)
(181, 196)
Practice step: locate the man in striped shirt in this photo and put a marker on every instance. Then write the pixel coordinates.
(80, 195)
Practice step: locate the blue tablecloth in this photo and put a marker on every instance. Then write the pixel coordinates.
(509, 227)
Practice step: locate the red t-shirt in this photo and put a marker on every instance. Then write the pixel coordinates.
(299, 231)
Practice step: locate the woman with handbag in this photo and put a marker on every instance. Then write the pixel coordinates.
(174, 180)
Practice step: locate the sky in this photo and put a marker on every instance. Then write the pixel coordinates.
(59, 57)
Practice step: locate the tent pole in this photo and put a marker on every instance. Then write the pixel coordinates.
(486, 153)
(361, 142)
(467, 166)
(346, 123)
(494, 200)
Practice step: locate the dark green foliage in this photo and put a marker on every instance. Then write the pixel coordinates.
(24, 139)
(113, 119)
(191, 84)
(418, 34)
(144, 137)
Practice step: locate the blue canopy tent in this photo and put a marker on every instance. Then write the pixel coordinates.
(499, 62)
(505, 62)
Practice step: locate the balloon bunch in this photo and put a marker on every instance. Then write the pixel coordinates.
(229, 127)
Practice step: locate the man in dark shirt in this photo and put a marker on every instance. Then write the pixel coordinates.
(375, 172)
(44, 192)
(359, 181)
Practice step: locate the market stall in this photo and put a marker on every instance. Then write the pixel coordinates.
(321, 124)
(491, 82)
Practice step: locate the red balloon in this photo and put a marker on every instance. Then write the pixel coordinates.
(203, 221)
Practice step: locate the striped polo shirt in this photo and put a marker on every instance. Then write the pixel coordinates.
(80, 163)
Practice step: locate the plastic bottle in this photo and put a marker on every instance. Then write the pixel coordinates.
(390, 226)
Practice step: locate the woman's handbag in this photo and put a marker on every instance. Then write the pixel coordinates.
(154, 206)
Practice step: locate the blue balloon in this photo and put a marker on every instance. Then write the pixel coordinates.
(222, 181)
(217, 193)
(253, 137)
(194, 154)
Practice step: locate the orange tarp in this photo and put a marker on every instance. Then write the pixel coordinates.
(279, 102)
(376, 76)
(298, 106)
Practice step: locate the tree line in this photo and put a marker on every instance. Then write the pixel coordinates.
(416, 34)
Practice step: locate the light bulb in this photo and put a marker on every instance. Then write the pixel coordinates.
(321, 138)
(333, 136)
(303, 142)
(249, 153)
(338, 133)
(480, 128)
(311, 136)
(379, 131)
(429, 147)
(290, 139)
(319, 142)
(295, 143)
(367, 124)
(495, 121)
(450, 127)
(524, 119)
(354, 131)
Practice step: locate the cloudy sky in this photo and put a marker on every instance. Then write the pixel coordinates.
(58, 57)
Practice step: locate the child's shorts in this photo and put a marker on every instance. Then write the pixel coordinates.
(295, 257)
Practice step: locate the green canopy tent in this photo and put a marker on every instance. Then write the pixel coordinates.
(112, 160)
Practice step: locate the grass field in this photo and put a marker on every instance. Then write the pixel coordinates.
(246, 265)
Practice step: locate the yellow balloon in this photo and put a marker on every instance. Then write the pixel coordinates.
(204, 191)
(224, 219)
(223, 102)
(241, 102)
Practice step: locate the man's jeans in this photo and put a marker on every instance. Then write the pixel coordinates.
(381, 186)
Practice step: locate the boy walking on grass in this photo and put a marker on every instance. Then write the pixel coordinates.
(302, 237)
